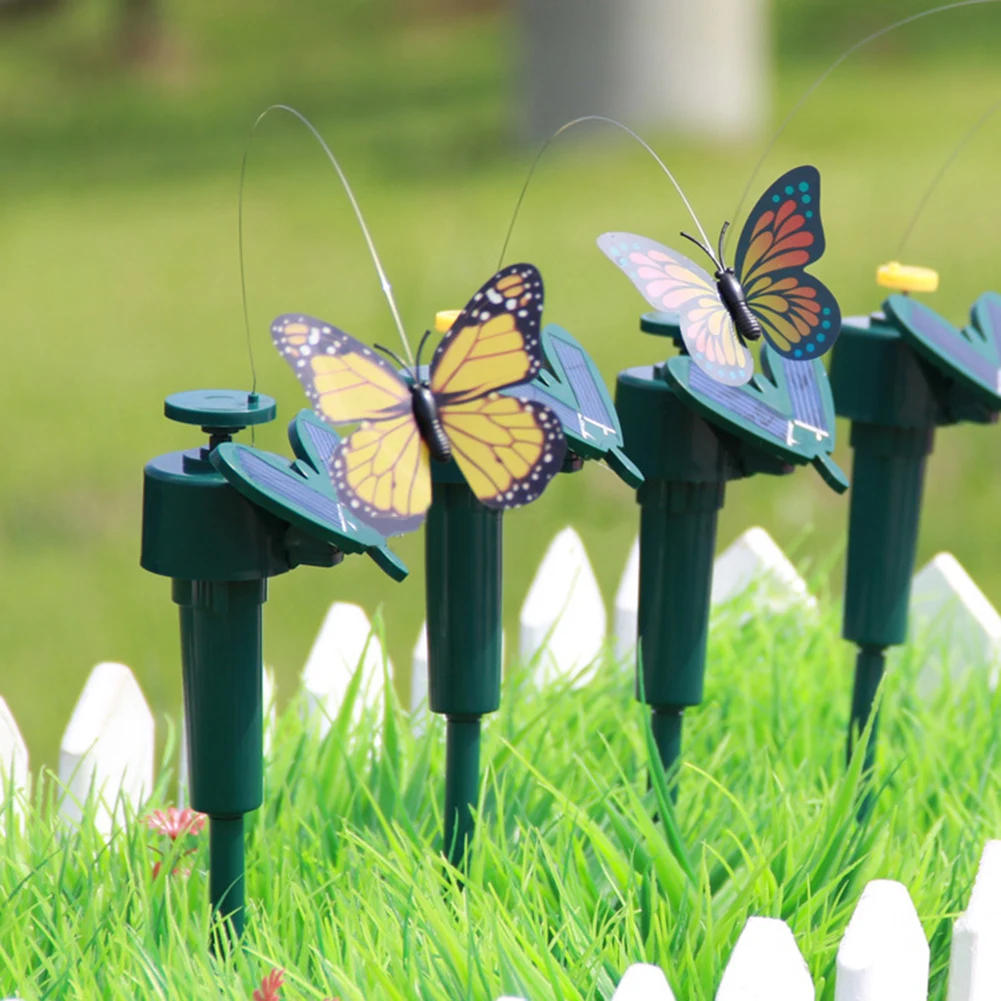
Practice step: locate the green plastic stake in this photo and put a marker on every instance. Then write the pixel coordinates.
(219, 521)
(463, 543)
(897, 375)
(689, 436)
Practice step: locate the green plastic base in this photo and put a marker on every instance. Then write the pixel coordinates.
(463, 579)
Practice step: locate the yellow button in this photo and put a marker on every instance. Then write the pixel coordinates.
(444, 319)
(906, 277)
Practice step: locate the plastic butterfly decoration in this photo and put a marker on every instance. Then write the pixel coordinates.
(508, 448)
(766, 291)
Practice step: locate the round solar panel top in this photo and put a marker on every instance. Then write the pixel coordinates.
(220, 408)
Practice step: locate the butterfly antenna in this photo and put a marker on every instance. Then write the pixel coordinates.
(387, 289)
(609, 121)
(722, 235)
(391, 354)
(936, 180)
(704, 248)
(830, 69)
(420, 350)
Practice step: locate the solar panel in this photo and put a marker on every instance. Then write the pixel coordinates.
(295, 490)
(738, 401)
(573, 389)
(590, 401)
(804, 392)
(971, 355)
(305, 501)
(323, 439)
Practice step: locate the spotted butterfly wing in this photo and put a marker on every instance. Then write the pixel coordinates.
(672, 283)
(507, 447)
(799, 315)
(382, 470)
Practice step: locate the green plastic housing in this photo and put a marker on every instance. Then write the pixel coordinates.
(463, 545)
(888, 394)
(223, 701)
(197, 527)
(685, 467)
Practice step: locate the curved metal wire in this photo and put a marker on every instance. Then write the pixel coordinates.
(387, 289)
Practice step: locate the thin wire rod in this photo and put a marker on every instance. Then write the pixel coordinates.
(947, 163)
(563, 128)
(387, 289)
(830, 69)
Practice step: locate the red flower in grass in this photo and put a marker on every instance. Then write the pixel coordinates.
(270, 986)
(175, 823)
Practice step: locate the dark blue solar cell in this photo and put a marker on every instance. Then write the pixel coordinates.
(807, 404)
(589, 397)
(743, 405)
(951, 343)
(290, 488)
(323, 439)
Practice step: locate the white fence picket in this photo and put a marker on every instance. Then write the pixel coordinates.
(766, 965)
(884, 955)
(108, 745)
(563, 614)
(627, 601)
(755, 560)
(643, 982)
(13, 757)
(269, 711)
(419, 674)
(345, 641)
(952, 620)
(975, 960)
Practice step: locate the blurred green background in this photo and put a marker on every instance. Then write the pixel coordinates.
(122, 126)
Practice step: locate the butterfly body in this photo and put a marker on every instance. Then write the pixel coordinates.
(765, 293)
(429, 422)
(507, 447)
(732, 295)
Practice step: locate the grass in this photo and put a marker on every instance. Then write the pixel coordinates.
(571, 880)
(120, 284)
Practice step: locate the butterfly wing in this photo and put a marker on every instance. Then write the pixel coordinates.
(670, 282)
(507, 448)
(381, 470)
(494, 341)
(346, 381)
(783, 234)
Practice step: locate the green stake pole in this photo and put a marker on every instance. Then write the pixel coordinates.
(463, 580)
(227, 889)
(222, 662)
(462, 783)
(686, 462)
(869, 667)
(219, 550)
(686, 468)
(880, 385)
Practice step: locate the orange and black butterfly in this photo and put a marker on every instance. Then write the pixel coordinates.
(507, 448)
(766, 291)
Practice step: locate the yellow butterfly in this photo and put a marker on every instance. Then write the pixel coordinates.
(507, 448)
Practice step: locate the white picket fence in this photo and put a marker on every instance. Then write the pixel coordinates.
(108, 745)
(109, 740)
(883, 955)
